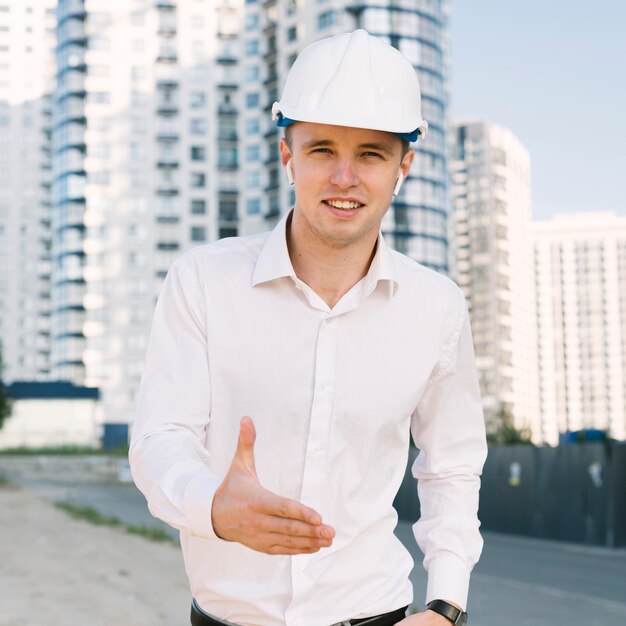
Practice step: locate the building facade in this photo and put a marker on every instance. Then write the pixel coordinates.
(27, 39)
(135, 176)
(159, 138)
(491, 261)
(273, 34)
(580, 267)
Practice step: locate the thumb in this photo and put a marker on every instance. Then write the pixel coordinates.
(245, 445)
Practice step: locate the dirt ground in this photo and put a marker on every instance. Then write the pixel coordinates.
(55, 570)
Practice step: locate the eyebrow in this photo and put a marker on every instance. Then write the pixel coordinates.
(323, 143)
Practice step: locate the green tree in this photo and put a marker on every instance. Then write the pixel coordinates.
(506, 433)
(5, 401)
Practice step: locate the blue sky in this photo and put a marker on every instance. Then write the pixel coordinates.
(554, 72)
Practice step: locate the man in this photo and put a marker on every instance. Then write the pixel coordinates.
(285, 370)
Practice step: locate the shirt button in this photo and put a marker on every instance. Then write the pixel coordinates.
(301, 565)
(317, 449)
(328, 320)
(324, 384)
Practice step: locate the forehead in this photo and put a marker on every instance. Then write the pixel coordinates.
(308, 133)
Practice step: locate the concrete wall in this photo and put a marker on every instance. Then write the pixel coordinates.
(52, 422)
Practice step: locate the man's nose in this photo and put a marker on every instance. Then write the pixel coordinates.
(344, 174)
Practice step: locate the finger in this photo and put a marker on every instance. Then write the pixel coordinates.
(295, 528)
(289, 509)
(298, 543)
(279, 549)
(245, 445)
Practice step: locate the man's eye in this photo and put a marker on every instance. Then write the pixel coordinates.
(321, 150)
(373, 154)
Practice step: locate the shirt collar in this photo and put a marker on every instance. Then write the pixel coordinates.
(274, 262)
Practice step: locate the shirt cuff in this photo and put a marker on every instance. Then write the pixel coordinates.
(198, 502)
(448, 579)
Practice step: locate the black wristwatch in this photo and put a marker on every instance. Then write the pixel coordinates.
(449, 611)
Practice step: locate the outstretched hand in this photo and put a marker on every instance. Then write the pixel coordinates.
(245, 512)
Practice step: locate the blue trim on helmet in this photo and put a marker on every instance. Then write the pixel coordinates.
(283, 121)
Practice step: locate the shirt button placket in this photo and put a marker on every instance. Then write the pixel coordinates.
(314, 476)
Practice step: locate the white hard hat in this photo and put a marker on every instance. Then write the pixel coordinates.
(353, 79)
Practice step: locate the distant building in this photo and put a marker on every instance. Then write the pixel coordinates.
(160, 138)
(52, 414)
(491, 260)
(27, 39)
(580, 266)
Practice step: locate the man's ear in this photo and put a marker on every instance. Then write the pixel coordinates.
(285, 152)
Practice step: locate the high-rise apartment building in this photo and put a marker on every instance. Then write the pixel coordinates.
(27, 37)
(274, 33)
(162, 139)
(492, 263)
(580, 265)
(136, 174)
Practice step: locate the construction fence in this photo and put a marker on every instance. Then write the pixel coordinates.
(573, 493)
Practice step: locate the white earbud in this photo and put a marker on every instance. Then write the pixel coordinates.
(289, 172)
(396, 189)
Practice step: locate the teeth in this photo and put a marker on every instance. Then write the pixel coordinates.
(343, 204)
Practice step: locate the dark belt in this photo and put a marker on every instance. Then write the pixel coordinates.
(200, 618)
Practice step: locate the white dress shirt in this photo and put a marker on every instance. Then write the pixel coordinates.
(333, 394)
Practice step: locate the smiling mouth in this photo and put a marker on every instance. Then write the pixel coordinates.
(345, 205)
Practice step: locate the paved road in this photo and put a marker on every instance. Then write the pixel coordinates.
(518, 581)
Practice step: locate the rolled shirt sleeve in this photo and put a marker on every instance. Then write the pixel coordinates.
(168, 459)
(448, 428)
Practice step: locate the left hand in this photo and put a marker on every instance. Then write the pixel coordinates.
(424, 618)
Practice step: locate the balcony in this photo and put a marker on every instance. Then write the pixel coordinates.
(167, 192)
(71, 83)
(167, 164)
(167, 110)
(70, 8)
(167, 30)
(166, 84)
(228, 215)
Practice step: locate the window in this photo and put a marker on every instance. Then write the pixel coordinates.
(252, 73)
(137, 18)
(253, 125)
(138, 73)
(198, 126)
(197, 99)
(99, 43)
(252, 48)
(198, 233)
(99, 97)
(198, 180)
(292, 33)
(100, 71)
(253, 152)
(252, 100)
(325, 19)
(197, 49)
(253, 179)
(253, 206)
(99, 178)
(227, 232)
(227, 158)
(252, 21)
(198, 207)
(198, 153)
(227, 128)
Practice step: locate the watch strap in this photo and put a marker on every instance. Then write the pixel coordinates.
(449, 611)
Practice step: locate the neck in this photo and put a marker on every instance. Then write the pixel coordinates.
(331, 270)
